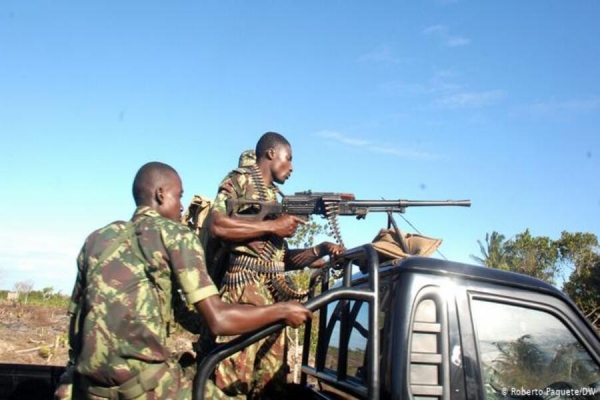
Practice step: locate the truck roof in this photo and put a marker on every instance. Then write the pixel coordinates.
(466, 271)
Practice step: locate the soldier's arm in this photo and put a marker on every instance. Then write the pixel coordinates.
(234, 229)
(238, 229)
(234, 319)
(187, 261)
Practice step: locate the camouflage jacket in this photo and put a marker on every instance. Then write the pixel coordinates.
(128, 277)
(246, 183)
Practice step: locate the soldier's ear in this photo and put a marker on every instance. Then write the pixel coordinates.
(159, 195)
(270, 153)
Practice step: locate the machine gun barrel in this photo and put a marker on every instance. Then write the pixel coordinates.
(409, 203)
(362, 207)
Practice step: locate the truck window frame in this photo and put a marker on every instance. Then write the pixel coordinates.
(534, 301)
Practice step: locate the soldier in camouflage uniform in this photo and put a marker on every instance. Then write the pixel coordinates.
(258, 258)
(127, 281)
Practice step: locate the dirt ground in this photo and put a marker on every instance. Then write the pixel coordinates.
(33, 334)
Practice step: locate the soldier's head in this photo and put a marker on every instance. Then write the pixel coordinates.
(274, 153)
(158, 186)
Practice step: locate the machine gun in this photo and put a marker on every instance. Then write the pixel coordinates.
(328, 205)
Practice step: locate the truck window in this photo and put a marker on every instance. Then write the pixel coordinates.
(355, 343)
(357, 340)
(523, 349)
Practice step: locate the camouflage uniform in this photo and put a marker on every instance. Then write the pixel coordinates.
(122, 303)
(247, 158)
(256, 267)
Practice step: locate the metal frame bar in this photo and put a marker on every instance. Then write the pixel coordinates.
(345, 292)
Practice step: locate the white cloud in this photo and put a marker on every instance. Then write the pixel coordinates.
(440, 83)
(444, 91)
(403, 153)
(554, 107)
(454, 41)
(434, 29)
(381, 148)
(470, 99)
(383, 54)
(343, 139)
(447, 38)
(400, 88)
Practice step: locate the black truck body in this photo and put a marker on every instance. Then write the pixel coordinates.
(427, 329)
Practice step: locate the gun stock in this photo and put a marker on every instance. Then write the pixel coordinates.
(260, 210)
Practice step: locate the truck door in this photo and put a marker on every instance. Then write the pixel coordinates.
(529, 346)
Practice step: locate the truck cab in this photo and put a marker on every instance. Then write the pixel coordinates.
(428, 329)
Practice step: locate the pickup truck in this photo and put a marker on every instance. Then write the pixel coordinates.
(428, 329)
(418, 328)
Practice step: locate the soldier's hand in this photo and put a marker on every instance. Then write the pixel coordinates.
(330, 249)
(286, 225)
(295, 314)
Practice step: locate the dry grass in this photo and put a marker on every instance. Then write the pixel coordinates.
(31, 334)
(34, 334)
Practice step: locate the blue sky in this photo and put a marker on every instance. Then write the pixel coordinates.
(497, 102)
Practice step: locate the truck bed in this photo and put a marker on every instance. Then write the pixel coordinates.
(27, 381)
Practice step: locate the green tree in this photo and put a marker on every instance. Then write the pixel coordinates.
(493, 253)
(47, 292)
(535, 256)
(582, 288)
(578, 250)
(304, 238)
(24, 287)
(523, 253)
(305, 234)
(573, 259)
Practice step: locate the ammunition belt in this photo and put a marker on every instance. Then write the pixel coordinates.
(243, 261)
(246, 269)
(259, 182)
(284, 292)
(270, 247)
